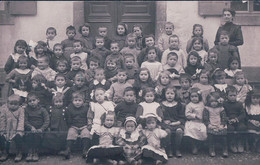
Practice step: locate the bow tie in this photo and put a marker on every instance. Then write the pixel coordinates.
(96, 82)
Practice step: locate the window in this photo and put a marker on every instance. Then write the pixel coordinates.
(250, 6)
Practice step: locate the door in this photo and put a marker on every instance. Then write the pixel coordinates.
(110, 13)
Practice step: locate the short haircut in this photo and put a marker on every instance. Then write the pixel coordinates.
(45, 57)
(84, 25)
(93, 59)
(218, 73)
(127, 89)
(99, 70)
(224, 32)
(32, 94)
(173, 36)
(121, 71)
(51, 28)
(39, 78)
(79, 41)
(77, 95)
(62, 61)
(102, 27)
(14, 98)
(138, 25)
(114, 42)
(231, 89)
(81, 75)
(99, 37)
(213, 50)
(70, 28)
(172, 54)
(131, 35)
(169, 23)
(149, 35)
(60, 75)
(58, 44)
(129, 55)
(75, 58)
(23, 58)
(185, 76)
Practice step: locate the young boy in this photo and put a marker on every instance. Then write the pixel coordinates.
(130, 67)
(76, 117)
(44, 69)
(117, 89)
(78, 51)
(126, 107)
(116, 55)
(75, 68)
(182, 94)
(58, 55)
(11, 127)
(100, 51)
(236, 120)
(36, 121)
(102, 30)
(50, 38)
(163, 41)
(68, 43)
(93, 64)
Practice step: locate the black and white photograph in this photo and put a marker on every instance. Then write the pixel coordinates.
(130, 82)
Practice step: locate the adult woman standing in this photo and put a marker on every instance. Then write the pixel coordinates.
(235, 32)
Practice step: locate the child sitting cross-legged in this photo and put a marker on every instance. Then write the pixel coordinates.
(11, 127)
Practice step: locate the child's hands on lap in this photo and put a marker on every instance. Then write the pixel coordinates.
(33, 130)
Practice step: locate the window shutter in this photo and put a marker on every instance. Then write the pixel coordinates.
(212, 8)
(23, 8)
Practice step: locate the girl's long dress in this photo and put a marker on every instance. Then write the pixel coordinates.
(253, 114)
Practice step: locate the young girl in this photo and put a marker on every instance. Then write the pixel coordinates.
(194, 126)
(138, 31)
(151, 64)
(142, 81)
(242, 86)
(154, 148)
(193, 65)
(197, 45)
(162, 82)
(62, 66)
(98, 107)
(21, 73)
(214, 117)
(197, 32)
(174, 119)
(55, 138)
(233, 65)
(253, 118)
(204, 85)
(121, 33)
(11, 127)
(85, 37)
(183, 93)
(212, 62)
(41, 49)
(20, 49)
(148, 106)
(111, 70)
(131, 139)
(219, 82)
(103, 140)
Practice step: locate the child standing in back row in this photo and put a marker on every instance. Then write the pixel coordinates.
(163, 41)
(78, 51)
(67, 44)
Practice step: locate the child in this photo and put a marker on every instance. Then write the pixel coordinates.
(132, 140)
(226, 50)
(55, 138)
(99, 81)
(20, 73)
(253, 120)
(148, 105)
(233, 64)
(36, 121)
(21, 89)
(197, 44)
(149, 42)
(242, 87)
(131, 47)
(93, 64)
(151, 64)
(212, 62)
(162, 82)
(116, 55)
(100, 51)
(41, 49)
(78, 51)
(127, 107)
(214, 117)
(197, 32)
(98, 107)
(163, 41)
(220, 85)
(51, 33)
(62, 66)
(138, 31)
(67, 44)
(204, 85)
(76, 117)
(174, 119)
(193, 65)
(111, 70)
(130, 67)
(75, 68)
(88, 41)
(117, 89)
(102, 31)
(236, 121)
(183, 93)
(175, 70)
(60, 84)
(57, 55)
(11, 127)
(174, 46)
(103, 140)
(154, 149)
(121, 33)
(194, 126)
(44, 69)
(20, 49)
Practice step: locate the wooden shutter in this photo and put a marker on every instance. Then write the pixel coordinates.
(23, 8)
(212, 8)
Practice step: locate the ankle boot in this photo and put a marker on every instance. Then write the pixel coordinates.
(29, 155)
(240, 145)
(86, 146)
(4, 156)
(18, 156)
(224, 147)
(212, 150)
(194, 147)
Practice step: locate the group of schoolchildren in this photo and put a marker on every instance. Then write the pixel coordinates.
(127, 99)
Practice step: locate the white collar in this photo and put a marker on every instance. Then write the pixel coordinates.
(26, 71)
(96, 82)
(221, 87)
(20, 93)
